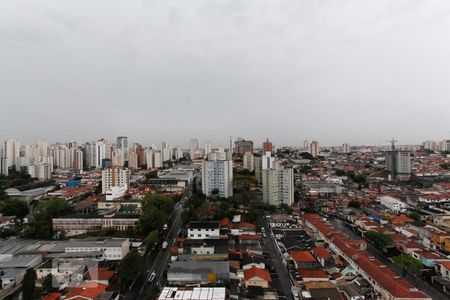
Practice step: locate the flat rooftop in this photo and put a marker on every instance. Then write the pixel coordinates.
(196, 293)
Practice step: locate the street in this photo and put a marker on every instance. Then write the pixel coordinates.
(421, 283)
(284, 279)
(157, 261)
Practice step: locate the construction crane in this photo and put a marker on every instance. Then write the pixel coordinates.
(392, 141)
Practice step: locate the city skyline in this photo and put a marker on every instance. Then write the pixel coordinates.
(75, 70)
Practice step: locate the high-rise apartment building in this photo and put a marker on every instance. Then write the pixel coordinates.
(398, 162)
(278, 186)
(430, 145)
(193, 147)
(78, 160)
(11, 151)
(122, 144)
(217, 175)
(241, 146)
(258, 168)
(346, 148)
(267, 161)
(267, 146)
(132, 159)
(149, 158)
(115, 177)
(314, 148)
(178, 153)
(3, 161)
(40, 170)
(166, 151)
(157, 159)
(208, 148)
(248, 161)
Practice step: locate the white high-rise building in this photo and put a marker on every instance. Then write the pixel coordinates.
(278, 186)
(149, 161)
(3, 161)
(11, 151)
(40, 170)
(157, 159)
(100, 152)
(208, 148)
(78, 160)
(267, 161)
(166, 151)
(122, 144)
(193, 147)
(248, 161)
(178, 153)
(217, 175)
(346, 148)
(430, 145)
(115, 177)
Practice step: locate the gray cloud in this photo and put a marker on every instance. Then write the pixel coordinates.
(337, 71)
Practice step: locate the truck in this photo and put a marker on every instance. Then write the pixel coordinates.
(164, 245)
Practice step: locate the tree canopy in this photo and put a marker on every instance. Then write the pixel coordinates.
(14, 207)
(29, 284)
(379, 240)
(408, 263)
(128, 268)
(41, 223)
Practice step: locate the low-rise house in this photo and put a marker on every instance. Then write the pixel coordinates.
(203, 230)
(304, 260)
(429, 258)
(323, 256)
(86, 291)
(110, 248)
(307, 275)
(257, 277)
(443, 268)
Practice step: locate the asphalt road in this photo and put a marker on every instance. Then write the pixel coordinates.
(422, 284)
(157, 261)
(284, 279)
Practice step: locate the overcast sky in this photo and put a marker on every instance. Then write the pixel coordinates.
(337, 71)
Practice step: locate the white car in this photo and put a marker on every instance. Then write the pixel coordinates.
(151, 277)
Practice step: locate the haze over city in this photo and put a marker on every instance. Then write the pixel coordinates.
(337, 71)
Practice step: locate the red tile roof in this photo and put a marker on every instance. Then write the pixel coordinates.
(86, 291)
(322, 252)
(257, 272)
(302, 256)
(102, 274)
(305, 273)
(385, 277)
(248, 237)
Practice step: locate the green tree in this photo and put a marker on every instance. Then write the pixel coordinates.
(151, 238)
(151, 218)
(306, 155)
(129, 268)
(41, 223)
(49, 285)
(354, 204)
(340, 172)
(29, 285)
(378, 239)
(415, 216)
(408, 264)
(14, 207)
